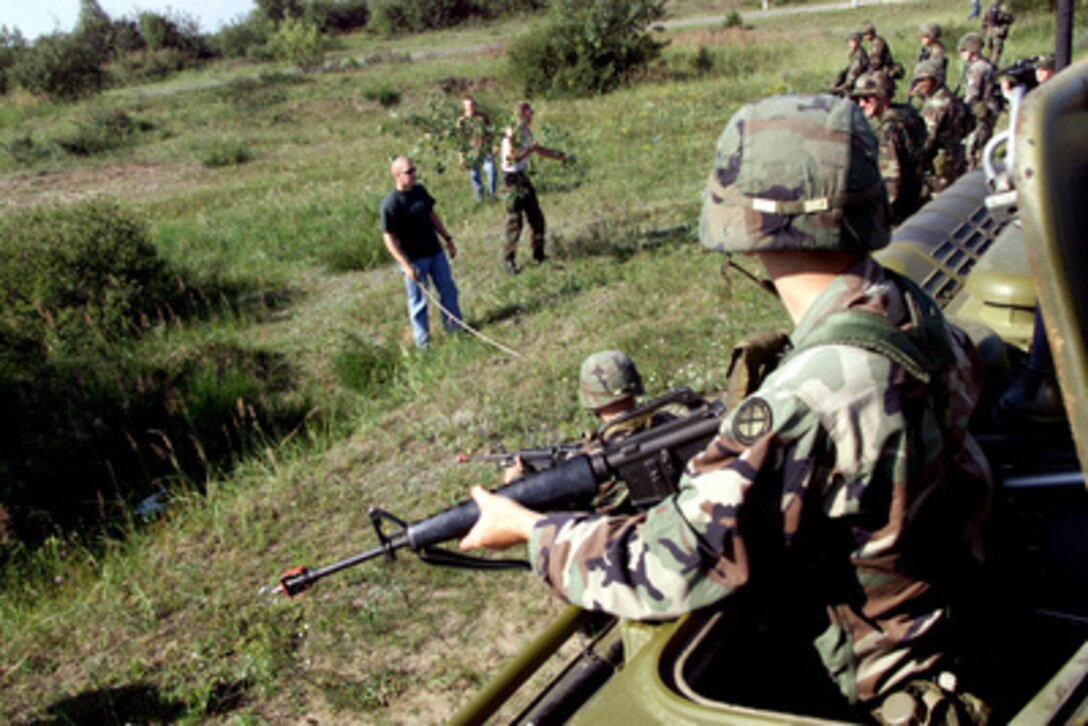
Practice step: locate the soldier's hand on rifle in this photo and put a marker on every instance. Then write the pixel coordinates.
(410, 273)
(514, 471)
(502, 523)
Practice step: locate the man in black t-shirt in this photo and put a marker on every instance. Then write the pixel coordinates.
(410, 230)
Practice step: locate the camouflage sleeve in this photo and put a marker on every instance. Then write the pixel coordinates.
(688, 551)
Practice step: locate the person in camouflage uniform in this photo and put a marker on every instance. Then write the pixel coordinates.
(930, 35)
(980, 93)
(995, 24)
(857, 64)
(941, 159)
(897, 128)
(609, 386)
(521, 202)
(848, 477)
(476, 155)
(880, 55)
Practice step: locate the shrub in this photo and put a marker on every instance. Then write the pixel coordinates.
(586, 47)
(396, 17)
(11, 44)
(100, 130)
(339, 16)
(732, 19)
(384, 95)
(73, 274)
(61, 67)
(245, 38)
(225, 152)
(105, 420)
(299, 43)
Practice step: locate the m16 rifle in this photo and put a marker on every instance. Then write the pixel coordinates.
(532, 459)
(650, 462)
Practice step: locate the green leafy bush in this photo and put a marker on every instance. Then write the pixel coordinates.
(586, 47)
(299, 43)
(384, 95)
(339, 16)
(61, 67)
(246, 38)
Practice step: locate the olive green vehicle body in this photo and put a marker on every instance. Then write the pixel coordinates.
(989, 263)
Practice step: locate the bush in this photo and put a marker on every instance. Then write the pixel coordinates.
(104, 419)
(299, 43)
(245, 38)
(384, 95)
(225, 153)
(102, 129)
(586, 47)
(11, 44)
(60, 67)
(73, 275)
(398, 17)
(339, 16)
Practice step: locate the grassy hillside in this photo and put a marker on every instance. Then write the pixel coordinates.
(270, 181)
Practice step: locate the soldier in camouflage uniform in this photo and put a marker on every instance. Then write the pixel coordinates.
(858, 63)
(981, 95)
(521, 202)
(609, 385)
(942, 159)
(930, 34)
(848, 479)
(880, 55)
(995, 24)
(900, 134)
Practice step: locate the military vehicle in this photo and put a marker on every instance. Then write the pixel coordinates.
(1003, 252)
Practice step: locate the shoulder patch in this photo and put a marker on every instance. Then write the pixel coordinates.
(752, 421)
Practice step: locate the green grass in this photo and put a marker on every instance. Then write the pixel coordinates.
(164, 623)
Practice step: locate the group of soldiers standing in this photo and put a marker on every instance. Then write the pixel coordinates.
(926, 145)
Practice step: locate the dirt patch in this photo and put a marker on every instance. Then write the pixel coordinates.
(126, 181)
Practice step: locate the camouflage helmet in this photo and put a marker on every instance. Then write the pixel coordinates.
(871, 83)
(868, 29)
(854, 37)
(606, 377)
(1045, 61)
(929, 68)
(930, 30)
(795, 173)
(971, 42)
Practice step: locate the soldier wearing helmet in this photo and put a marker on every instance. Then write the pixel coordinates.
(609, 386)
(932, 48)
(995, 24)
(815, 506)
(941, 159)
(980, 93)
(880, 55)
(900, 133)
(857, 63)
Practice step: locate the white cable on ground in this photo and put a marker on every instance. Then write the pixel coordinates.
(465, 326)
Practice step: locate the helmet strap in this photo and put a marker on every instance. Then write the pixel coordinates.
(763, 283)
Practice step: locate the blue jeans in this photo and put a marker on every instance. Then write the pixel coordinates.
(437, 268)
(974, 10)
(474, 176)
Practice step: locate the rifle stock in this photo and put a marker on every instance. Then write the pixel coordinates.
(650, 462)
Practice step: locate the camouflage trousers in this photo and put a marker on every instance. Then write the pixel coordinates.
(522, 204)
(994, 45)
(976, 141)
(947, 167)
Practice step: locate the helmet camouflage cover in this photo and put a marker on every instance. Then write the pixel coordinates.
(971, 42)
(930, 68)
(795, 173)
(868, 29)
(607, 377)
(930, 30)
(871, 83)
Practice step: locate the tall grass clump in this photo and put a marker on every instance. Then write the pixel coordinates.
(113, 403)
